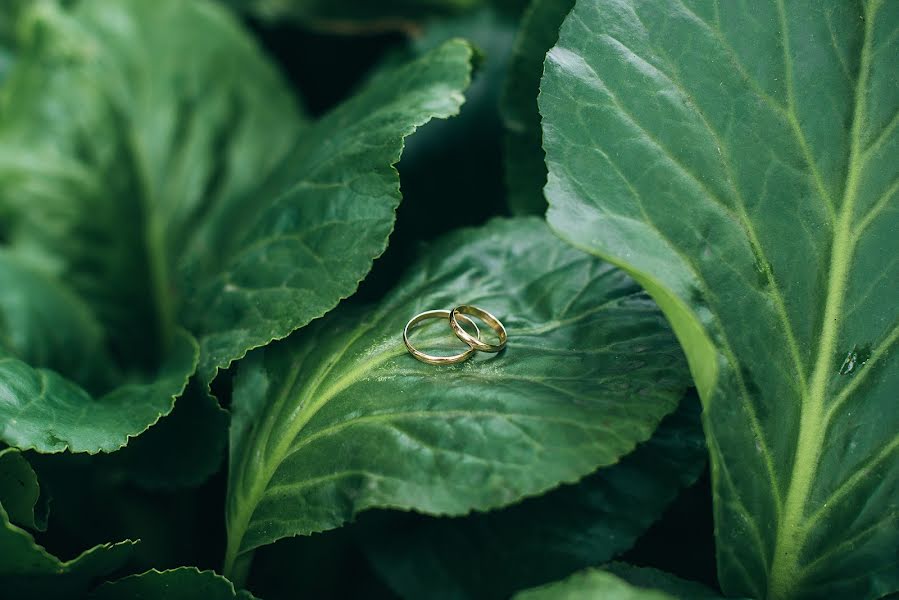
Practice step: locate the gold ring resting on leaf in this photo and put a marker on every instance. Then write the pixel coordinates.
(430, 358)
(466, 309)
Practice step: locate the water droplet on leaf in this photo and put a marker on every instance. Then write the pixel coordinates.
(855, 359)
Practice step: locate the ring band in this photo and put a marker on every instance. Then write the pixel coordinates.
(430, 358)
(476, 343)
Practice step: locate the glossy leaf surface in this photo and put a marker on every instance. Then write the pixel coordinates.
(341, 418)
(739, 160)
(41, 410)
(543, 539)
(335, 198)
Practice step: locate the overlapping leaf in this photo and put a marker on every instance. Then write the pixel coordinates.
(153, 163)
(649, 578)
(46, 334)
(619, 581)
(543, 539)
(184, 583)
(591, 584)
(739, 160)
(26, 569)
(525, 167)
(340, 418)
(334, 202)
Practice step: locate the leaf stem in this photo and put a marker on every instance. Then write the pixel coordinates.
(159, 282)
(237, 566)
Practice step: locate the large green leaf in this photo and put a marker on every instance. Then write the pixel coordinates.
(132, 135)
(650, 578)
(153, 162)
(525, 168)
(340, 418)
(739, 159)
(26, 569)
(183, 583)
(43, 323)
(43, 411)
(198, 193)
(542, 539)
(335, 198)
(48, 335)
(590, 585)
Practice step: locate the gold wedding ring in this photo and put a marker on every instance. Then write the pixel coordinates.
(439, 360)
(475, 342)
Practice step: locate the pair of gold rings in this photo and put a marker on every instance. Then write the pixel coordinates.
(455, 316)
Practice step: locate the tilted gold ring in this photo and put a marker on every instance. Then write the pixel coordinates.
(476, 343)
(438, 360)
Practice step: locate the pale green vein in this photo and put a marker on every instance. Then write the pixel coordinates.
(742, 215)
(844, 66)
(306, 410)
(862, 472)
(726, 347)
(741, 569)
(559, 323)
(847, 544)
(790, 539)
(793, 119)
(879, 206)
(882, 137)
(334, 428)
(766, 98)
(740, 507)
(859, 378)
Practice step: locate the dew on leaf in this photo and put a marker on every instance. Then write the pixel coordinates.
(855, 359)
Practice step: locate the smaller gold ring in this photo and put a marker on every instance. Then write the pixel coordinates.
(430, 358)
(486, 317)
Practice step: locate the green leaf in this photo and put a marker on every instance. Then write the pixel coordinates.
(183, 583)
(197, 428)
(493, 555)
(19, 489)
(340, 418)
(26, 569)
(209, 203)
(739, 160)
(133, 137)
(45, 324)
(353, 16)
(153, 162)
(52, 350)
(525, 168)
(659, 580)
(334, 205)
(43, 411)
(592, 584)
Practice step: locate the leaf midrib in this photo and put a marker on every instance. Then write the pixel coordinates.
(273, 459)
(792, 528)
(154, 245)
